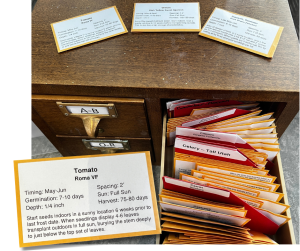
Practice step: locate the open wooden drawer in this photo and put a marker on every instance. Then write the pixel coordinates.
(284, 235)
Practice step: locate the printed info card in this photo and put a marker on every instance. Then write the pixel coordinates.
(85, 198)
(88, 28)
(242, 32)
(163, 17)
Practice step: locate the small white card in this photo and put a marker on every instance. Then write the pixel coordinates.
(85, 198)
(163, 17)
(88, 28)
(243, 32)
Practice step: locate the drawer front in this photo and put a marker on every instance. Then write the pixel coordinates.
(82, 146)
(127, 120)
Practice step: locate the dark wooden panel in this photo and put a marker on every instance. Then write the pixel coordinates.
(131, 120)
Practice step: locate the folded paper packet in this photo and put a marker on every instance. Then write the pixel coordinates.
(185, 163)
(220, 108)
(255, 192)
(218, 152)
(259, 222)
(171, 105)
(185, 110)
(231, 140)
(241, 120)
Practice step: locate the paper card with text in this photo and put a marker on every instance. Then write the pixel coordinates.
(242, 32)
(166, 17)
(72, 199)
(88, 28)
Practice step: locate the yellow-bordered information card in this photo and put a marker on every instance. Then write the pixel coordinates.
(166, 17)
(84, 198)
(243, 32)
(88, 28)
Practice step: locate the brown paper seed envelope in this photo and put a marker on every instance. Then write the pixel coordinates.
(223, 218)
(258, 236)
(242, 32)
(269, 205)
(193, 198)
(238, 118)
(180, 216)
(202, 230)
(241, 121)
(203, 225)
(203, 206)
(240, 174)
(271, 186)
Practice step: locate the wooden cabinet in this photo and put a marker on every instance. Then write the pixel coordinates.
(155, 68)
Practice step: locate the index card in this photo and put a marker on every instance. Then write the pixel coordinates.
(87, 28)
(163, 17)
(243, 32)
(85, 198)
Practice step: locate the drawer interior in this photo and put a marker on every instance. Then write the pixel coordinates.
(284, 235)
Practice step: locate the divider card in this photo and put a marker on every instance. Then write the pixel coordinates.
(163, 17)
(243, 32)
(88, 28)
(85, 198)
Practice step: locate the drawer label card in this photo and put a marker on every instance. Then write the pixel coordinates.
(162, 17)
(108, 145)
(243, 32)
(88, 28)
(74, 199)
(88, 110)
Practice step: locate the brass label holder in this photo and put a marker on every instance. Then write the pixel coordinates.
(91, 114)
(106, 146)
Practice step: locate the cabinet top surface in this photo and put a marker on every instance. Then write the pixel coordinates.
(165, 60)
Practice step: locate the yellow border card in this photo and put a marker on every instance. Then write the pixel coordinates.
(166, 17)
(85, 198)
(88, 28)
(242, 32)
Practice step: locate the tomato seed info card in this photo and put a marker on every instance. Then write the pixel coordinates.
(164, 17)
(243, 32)
(72, 199)
(88, 28)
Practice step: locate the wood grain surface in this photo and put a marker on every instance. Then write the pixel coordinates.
(158, 67)
(164, 60)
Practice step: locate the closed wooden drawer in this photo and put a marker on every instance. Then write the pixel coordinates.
(82, 146)
(129, 119)
(284, 235)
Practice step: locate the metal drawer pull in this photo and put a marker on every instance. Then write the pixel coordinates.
(91, 114)
(106, 146)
